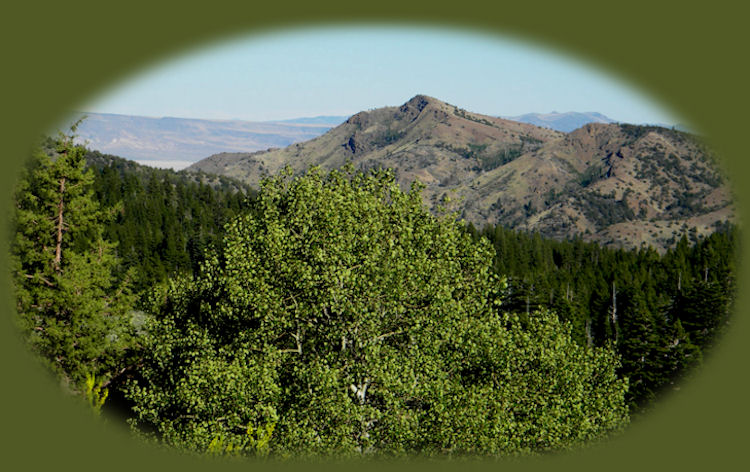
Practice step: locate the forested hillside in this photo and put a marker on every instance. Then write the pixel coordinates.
(661, 312)
(165, 219)
(332, 314)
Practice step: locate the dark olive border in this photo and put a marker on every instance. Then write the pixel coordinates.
(693, 59)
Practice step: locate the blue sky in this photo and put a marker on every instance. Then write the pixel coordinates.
(341, 71)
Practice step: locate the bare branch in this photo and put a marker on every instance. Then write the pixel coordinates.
(386, 335)
(47, 282)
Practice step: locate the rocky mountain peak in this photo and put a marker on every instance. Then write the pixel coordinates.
(418, 102)
(622, 185)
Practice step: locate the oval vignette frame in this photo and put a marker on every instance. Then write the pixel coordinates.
(672, 435)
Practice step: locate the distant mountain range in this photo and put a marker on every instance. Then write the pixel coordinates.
(178, 142)
(168, 140)
(565, 122)
(572, 120)
(329, 121)
(618, 184)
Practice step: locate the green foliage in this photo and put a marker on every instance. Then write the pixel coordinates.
(166, 220)
(605, 210)
(486, 160)
(72, 305)
(254, 443)
(670, 308)
(346, 315)
(387, 137)
(461, 113)
(592, 173)
(95, 394)
(635, 132)
(489, 161)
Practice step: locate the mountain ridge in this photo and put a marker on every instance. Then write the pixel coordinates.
(621, 185)
(617, 184)
(565, 122)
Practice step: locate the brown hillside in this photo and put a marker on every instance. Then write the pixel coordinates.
(622, 185)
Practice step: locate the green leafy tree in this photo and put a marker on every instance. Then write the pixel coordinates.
(345, 315)
(71, 301)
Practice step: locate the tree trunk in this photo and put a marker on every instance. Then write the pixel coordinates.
(614, 310)
(60, 225)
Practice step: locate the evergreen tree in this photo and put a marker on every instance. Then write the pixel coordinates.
(166, 219)
(72, 301)
(664, 311)
(679, 354)
(639, 347)
(703, 310)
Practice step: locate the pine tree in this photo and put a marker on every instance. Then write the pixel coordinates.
(71, 305)
(679, 354)
(703, 309)
(640, 347)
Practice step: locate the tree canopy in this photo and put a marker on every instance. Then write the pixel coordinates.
(340, 317)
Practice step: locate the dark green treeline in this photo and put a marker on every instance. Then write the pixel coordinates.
(165, 220)
(662, 312)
